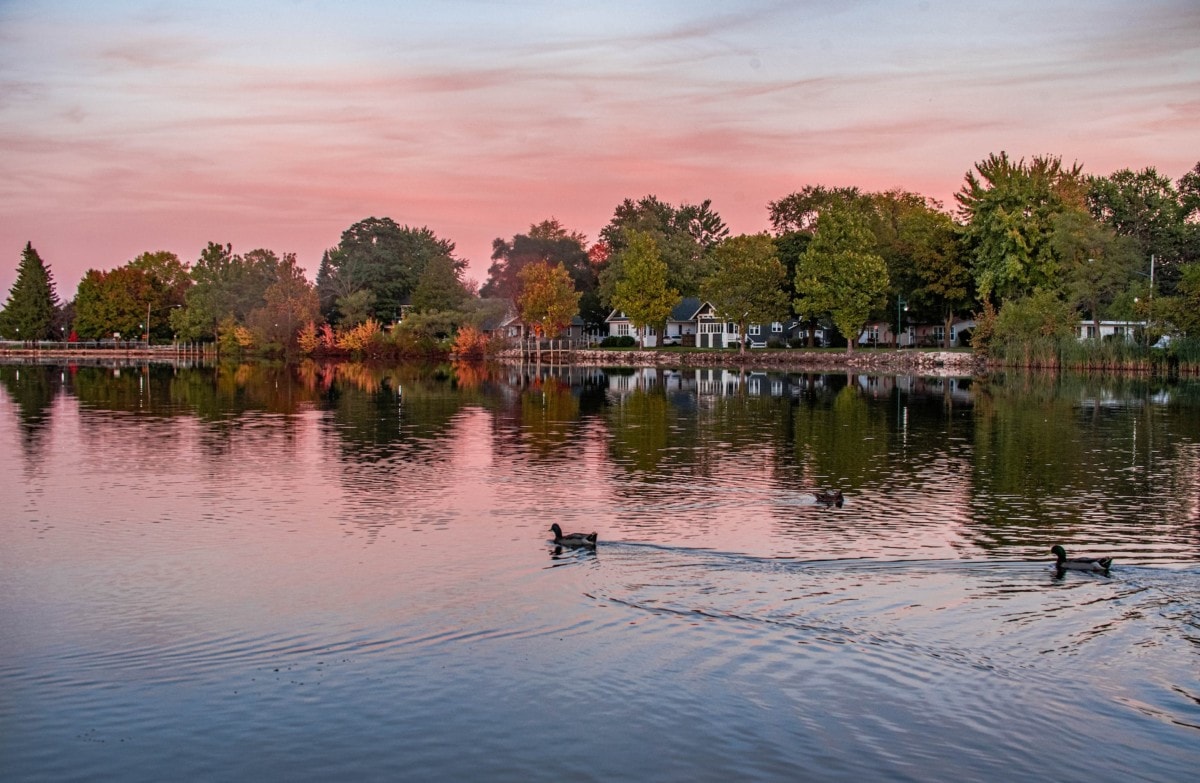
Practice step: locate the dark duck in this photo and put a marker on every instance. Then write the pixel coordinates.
(572, 539)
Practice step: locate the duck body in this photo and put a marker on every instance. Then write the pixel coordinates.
(572, 539)
(1101, 564)
(829, 497)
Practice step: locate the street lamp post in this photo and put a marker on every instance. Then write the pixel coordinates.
(901, 308)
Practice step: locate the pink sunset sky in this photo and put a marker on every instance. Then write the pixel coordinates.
(161, 125)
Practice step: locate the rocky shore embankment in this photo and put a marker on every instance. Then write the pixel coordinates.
(797, 360)
(931, 363)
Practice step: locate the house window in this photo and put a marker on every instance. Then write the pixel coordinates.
(622, 330)
(776, 327)
(731, 329)
(710, 327)
(755, 330)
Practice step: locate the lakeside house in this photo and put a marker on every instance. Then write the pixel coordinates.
(917, 335)
(694, 322)
(507, 325)
(1110, 330)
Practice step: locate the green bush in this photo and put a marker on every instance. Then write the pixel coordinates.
(618, 342)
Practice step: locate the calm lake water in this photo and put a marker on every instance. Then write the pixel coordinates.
(344, 573)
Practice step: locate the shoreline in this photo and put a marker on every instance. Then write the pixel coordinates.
(925, 362)
(902, 360)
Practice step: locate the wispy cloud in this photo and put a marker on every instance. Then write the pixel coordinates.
(281, 123)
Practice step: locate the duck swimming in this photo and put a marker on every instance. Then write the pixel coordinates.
(829, 497)
(572, 539)
(1080, 563)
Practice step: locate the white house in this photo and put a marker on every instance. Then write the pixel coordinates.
(681, 321)
(1110, 330)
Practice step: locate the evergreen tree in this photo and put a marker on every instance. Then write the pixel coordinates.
(440, 287)
(32, 303)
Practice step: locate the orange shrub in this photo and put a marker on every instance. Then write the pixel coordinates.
(470, 343)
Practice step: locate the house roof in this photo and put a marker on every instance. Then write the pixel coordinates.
(686, 310)
(500, 313)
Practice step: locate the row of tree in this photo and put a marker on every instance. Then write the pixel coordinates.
(1024, 231)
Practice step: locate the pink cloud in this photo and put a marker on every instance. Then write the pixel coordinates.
(125, 133)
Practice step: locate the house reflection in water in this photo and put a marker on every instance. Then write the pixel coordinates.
(712, 382)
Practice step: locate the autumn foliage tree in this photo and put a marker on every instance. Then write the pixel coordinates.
(547, 300)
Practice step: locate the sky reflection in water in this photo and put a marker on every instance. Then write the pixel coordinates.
(345, 571)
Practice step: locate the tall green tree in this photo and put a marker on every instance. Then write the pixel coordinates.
(135, 299)
(331, 286)
(1010, 208)
(170, 274)
(799, 211)
(840, 273)
(379, 256)
(926, 264)
(1097, 264)
(642, 292)
(685, 237)
(440, 287)
(32, 303)
(747, 282)
(114, 303)
(790, 247)
(226, 287)
(1146, 207)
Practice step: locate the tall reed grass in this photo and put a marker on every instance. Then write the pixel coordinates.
(1181, 357)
